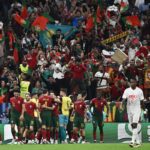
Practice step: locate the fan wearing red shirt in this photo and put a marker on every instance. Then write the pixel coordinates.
(28, 113)
(78, 69)
(16, 110)
(79, 118)
(98, 104)
(46, 107)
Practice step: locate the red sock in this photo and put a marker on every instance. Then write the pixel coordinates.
(19, 137)
(94, 135)
(56, 135)
(44, 133)
(75, 134)
(39, 135)
(101, 136)
(32, 136)
(0, 137)
(48, 135)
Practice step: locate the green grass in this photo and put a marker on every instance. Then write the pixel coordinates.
(144, 146)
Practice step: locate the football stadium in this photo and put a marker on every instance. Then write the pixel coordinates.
(74, 74)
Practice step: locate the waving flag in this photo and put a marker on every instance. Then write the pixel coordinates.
(21, 21)
(46, 36)
(89, 24)
(16, 55)
(133, 21)
(123, 7)
(40, 23)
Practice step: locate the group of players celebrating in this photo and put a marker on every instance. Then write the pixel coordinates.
(53, 119)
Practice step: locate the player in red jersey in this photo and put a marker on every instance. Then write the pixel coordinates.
(79, 119)
(46, 107)
(55, 119)
(16, 110)
(28, 114)
(97, 104)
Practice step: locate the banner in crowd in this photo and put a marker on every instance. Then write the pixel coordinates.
(119, 56)
(45, 37)
(114, 38)
(114, 132)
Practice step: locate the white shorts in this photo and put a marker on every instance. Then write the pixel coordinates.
(134, 117)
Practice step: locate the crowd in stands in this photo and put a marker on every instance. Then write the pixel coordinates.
(78, 63)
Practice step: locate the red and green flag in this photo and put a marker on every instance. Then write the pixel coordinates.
(16, 54)
(21, 21)
(99, 12)
(98, 15)
(89, 24)
(133, 21)
(24, 11)
(40, 23)
(123, 7)
(11, 39)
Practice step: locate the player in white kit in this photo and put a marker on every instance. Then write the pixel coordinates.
(134, 97)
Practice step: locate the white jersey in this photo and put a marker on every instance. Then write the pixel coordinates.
(133, 99)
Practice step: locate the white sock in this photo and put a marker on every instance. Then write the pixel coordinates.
(134, 135)
(138, 136)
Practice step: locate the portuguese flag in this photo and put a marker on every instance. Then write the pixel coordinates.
(40, 23)
(89, 24)
(133, 21)
(11, 39)
(24, 11)
(99, 12)
(123, 7)
(21, 21)
(98, 15)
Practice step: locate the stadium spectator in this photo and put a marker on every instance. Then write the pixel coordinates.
(55, 44)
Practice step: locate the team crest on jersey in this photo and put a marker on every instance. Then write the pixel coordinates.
(30, 106)
(19, 102)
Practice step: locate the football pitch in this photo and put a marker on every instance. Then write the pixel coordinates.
(145, 146)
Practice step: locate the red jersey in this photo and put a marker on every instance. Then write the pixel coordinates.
(56, 109)
(47, 100)
(16, 103)
(78, 71)
(29, 108)
(98, 105)
(79, 107)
